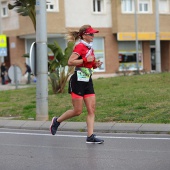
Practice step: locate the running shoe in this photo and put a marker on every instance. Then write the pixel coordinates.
(54, 126)
(93, 139)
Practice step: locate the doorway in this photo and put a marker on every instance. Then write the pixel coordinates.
(153, 59)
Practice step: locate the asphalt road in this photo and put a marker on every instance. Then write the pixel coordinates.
(39, 150)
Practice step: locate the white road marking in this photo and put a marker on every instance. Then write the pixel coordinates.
(81, 136)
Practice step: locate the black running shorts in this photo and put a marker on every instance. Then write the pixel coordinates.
(79, 87)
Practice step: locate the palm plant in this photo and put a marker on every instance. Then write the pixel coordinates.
(25, 8)
(58, 70)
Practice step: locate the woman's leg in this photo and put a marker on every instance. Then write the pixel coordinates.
(90, 103)
(77, 110)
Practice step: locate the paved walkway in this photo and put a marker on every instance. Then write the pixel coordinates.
(111, 127)
(23, 85)
(13, 87)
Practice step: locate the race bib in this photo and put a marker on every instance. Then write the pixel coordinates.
(81, 76)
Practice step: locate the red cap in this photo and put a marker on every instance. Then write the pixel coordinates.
(90, 30)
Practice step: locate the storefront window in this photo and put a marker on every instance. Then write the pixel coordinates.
(127, 56)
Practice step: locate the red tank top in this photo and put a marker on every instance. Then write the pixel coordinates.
(83, 52)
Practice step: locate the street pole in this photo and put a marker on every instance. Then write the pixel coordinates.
(41, 64)
(136, 32)
(158, 56)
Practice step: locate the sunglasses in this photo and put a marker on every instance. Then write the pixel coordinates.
(90, 34)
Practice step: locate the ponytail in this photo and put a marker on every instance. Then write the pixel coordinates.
(73, 36)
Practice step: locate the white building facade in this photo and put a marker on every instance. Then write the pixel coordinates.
(115, 42)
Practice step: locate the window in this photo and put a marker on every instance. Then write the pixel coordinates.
(144, 6)
(127, 6)
(98, 45)
(52, 6)
(164, 6)
(4, 9)
(98, 6)
(127, 56)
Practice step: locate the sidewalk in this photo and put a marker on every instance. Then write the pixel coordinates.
(110, 127)
(13, 87)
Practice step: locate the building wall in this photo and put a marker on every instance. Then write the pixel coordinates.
(102, 22)
(17, 25)
(16, 51)
(114, 13)
(111, 48)
(146, 22)
(11, 22)
(56, 20)
(72, 14)
(26, 26)
(78, 13)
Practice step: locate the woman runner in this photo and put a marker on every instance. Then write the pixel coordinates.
(80, 83)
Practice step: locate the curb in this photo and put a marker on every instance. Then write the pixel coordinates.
(110, 127)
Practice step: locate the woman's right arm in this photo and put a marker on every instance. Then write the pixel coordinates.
(74, 61)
